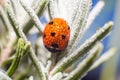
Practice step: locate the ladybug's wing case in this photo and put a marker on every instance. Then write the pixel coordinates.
(56, 35)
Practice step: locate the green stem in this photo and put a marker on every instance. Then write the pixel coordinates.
(83, 66)
(23, 74)
(104, 58)
(38, 65)
(32, 14)
(84, 48)
(20, 51)
(40, 9)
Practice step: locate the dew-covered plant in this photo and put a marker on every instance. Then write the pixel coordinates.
(24, 57)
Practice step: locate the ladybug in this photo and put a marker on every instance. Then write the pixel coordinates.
(56, 35)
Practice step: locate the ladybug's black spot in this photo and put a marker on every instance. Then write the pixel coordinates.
(51, 22)
(53, 48)
(55, 45)
(44, 35)
(68, 27)
(52, 33)
(63, 36)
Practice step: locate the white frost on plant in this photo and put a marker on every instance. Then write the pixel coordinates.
(76, 13)
(94, 12)
(57, 76)
(4, 76)
(111, 52)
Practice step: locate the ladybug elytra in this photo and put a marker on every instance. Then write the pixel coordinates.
(56, 35)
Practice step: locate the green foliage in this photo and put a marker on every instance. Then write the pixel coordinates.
(37, 62)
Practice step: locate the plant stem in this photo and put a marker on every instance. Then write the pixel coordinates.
(38, 65)
(33, 15)
(105, 57)
(23, 73)
(84, 48)
(79, 19)
(20, 51)
(83, 66)
(4, 18)
(40, 9)
(3, 76)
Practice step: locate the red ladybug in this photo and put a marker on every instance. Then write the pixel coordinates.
(56, 35)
